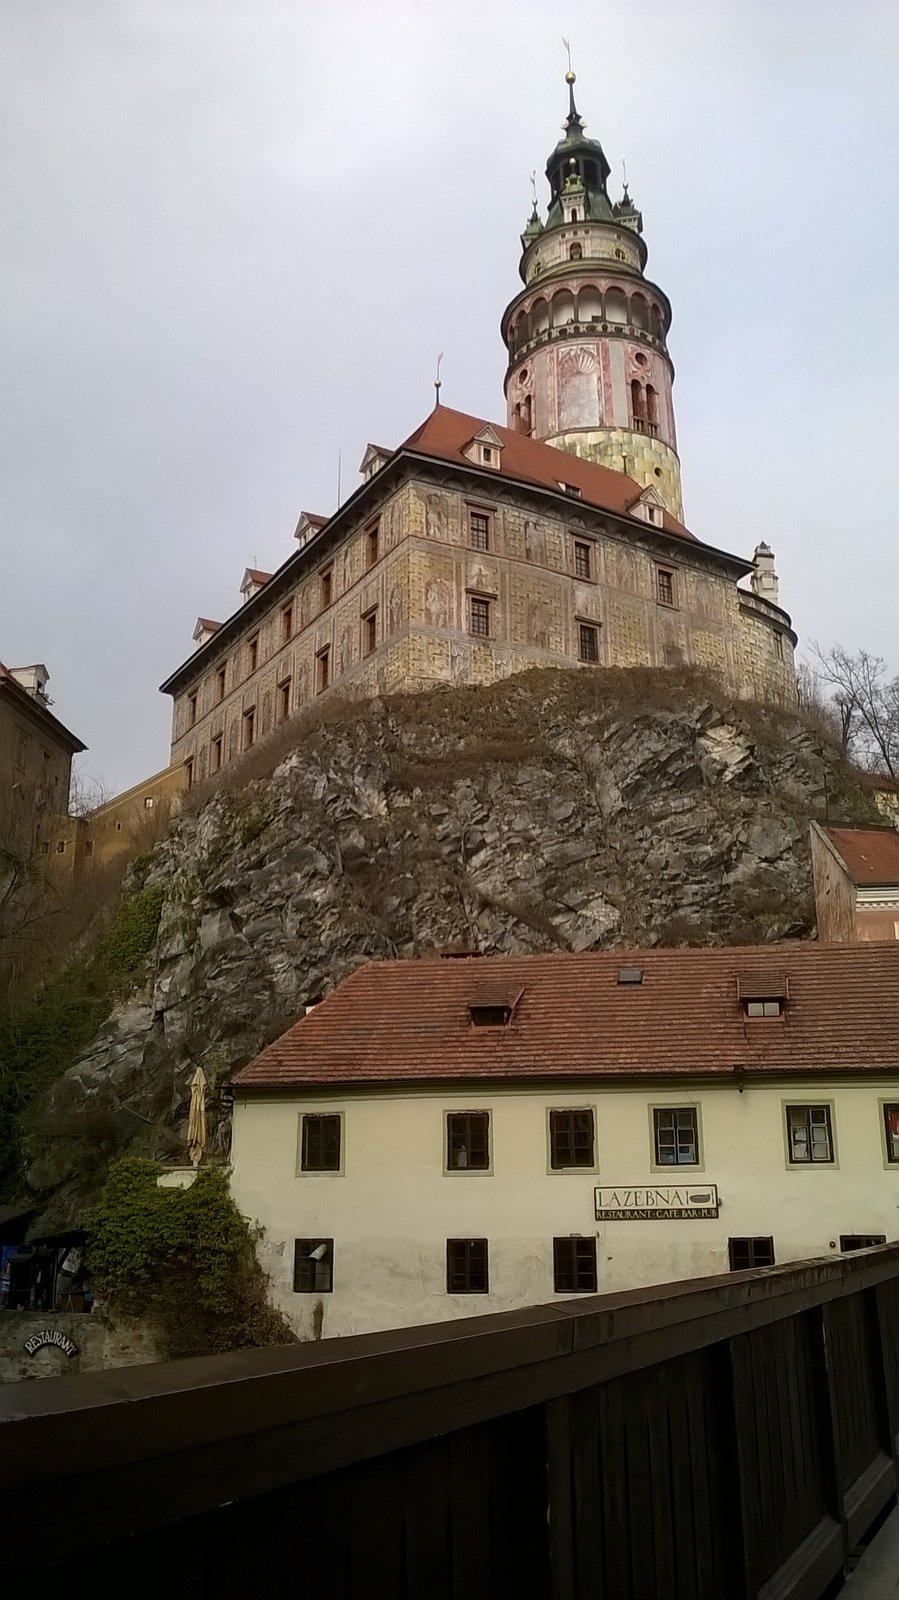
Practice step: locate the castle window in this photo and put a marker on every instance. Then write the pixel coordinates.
(466, 1266)
(149, 802)
(60, 847)
(664, 586)
(372, 540)
(587, 642)
(287, 624)
(188, 776)
(583, 565)
(191, 710)
(638, 404)
(216, 761)
(323, 669)
(249, 728)
(326, 585)
(252, 654)
(370, 631)
(88, 847)
(221, 682)
(284, 700)
(479, 617)
(574, 216)
(575, 252)
(479, 529)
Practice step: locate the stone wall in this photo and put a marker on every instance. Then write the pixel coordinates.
(99, 1342)
(419, 591)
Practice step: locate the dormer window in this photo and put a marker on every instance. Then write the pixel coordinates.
(762, 995)
(572, 490)
(490, 1016)
(485, 449)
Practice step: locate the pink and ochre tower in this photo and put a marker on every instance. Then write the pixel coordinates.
(589, 369)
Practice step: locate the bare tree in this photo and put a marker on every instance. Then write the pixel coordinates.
(866, 700)
(87, 794)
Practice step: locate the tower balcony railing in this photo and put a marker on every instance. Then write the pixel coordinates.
(642, 425)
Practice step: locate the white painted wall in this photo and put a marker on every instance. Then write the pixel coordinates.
(392, 1207)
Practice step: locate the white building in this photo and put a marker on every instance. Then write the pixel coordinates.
(446, 1136)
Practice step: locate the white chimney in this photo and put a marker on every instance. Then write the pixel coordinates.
(764, 581)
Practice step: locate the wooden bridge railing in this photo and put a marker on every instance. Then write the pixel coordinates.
(725, 1439)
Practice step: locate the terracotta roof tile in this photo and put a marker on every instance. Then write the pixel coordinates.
(445, 433)
(871, 855)
(409, 1020)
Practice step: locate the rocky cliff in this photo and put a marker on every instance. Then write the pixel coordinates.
(556, 810)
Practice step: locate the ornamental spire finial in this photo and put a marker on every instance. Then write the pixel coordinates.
(571, 79)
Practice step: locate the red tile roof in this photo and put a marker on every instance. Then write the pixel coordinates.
(409, 1020)
(870, 855)
(445, 434)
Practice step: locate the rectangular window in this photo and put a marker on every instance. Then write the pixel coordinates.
(287, 623)
(221, 675)
(45, 847)
(88, 847)
(370, 632)
(249, 728)
(664, 587)
(372, 543)
(809, 1133)
(763, 1008)
(587, 642)
(188, 774)
(466, 1266)
(313, 1266)
(891, 1130)
(284, 700)
(252, 654)
(320, 1143)
(574, 1266)
(479, 617)
(479, 530)
(323, 669)
(468, 1141)
(745, 1253)
(216, 758)
(675, 1135)
(571, 1139)
(861, 1241)
(583, 565)
(191, 710)
(60, 847)
(149, 802)
(326, 586)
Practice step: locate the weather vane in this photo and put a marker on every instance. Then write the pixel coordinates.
(567, 51)
(437, 379)
(534, 185)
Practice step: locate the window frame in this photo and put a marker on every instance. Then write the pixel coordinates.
(591, 628)
(883, 1106)
(192, 704)
(477, 1172)
(287, 622)
(467, 1241)
(372, 544)
(809, 1105)
(285, 689)
(222, 682)
(320, 1172)
(580, 1168)
(765, 1015)
(693, 1106)
(253, 653)
(484, 600)
(326, 588)
(751, 1240)
(369, 625)
(573, 1240)
(670, 575)
(866, 1241)
(217, 748)
(315, 1244)
(189, 772)
(581, 548)
(323, 669)
(248, 724)
(484, 514)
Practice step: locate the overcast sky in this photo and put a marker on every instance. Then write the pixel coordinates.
(236, 236)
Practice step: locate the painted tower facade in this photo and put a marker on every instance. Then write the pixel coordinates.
(589, 370)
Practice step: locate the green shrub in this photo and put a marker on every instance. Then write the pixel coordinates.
(182, 1258)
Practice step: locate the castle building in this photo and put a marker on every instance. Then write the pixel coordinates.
(36, 752)
(453, 1135)
(474, 550)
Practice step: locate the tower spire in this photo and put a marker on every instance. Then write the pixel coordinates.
(574, 119)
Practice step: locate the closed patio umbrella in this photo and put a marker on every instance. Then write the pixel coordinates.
(196, 1125)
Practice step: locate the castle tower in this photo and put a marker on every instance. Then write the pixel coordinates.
(589, 370)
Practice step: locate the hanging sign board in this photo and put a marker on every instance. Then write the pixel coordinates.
(51, 1336)
(650, 1204)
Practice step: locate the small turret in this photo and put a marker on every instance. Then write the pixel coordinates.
(764, 580)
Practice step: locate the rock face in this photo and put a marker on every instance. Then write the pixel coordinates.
(556, 810)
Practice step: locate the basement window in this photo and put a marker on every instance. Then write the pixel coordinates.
(861, 1241)
(313, 1266)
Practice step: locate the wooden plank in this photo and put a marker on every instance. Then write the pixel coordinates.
(660, 1383)
(615, 1491)
(374, 1502)
(591, 1531)
(469, 1487)
(426, 1520)
(560, 1471)
(519, 1549)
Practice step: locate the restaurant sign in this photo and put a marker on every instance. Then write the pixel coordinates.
(51, 1336)
(650, 1204)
